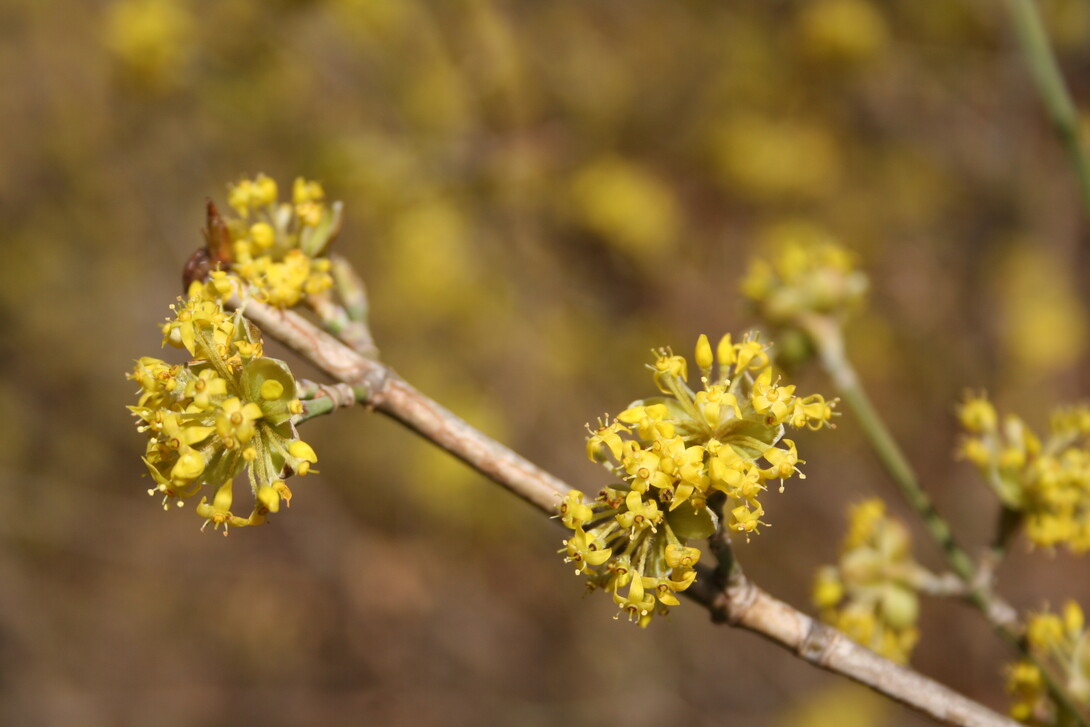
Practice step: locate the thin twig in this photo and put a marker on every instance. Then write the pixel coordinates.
(394, 397)
(321, 399)
(347, 320)
(738, 601)
(1052, 88)
(825, 332)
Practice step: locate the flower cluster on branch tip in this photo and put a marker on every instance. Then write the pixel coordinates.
(870, 594)
(1046, 481)
(227, 409)
(805, 273)
(685, 460)
(278, 248)
(1061, 643)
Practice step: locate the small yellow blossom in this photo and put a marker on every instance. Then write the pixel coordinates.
(608, 436)
(236, 422)
(585, 551)
(1031, 703)
(978, 415)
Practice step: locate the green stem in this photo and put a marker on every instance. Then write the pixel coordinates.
(825, 333)
(325, 399)
(1052, 88)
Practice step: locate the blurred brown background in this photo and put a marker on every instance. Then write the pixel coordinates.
(537, 193)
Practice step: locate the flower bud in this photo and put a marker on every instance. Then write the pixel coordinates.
(900, 606)
(703, 353)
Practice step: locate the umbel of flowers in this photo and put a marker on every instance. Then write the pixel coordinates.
(277, 247)
(682, 461)
(871, 593)
(228, 409)
(806, 273)
(1046, 481)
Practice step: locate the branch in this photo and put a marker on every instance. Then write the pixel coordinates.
(385, 391)
(733, 599)
(1052, 89)
(745, 605)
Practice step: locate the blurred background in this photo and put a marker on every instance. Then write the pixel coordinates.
(537, 193)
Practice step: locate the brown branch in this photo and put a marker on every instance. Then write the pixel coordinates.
(738, 602)
(745, 605)
(393, 396)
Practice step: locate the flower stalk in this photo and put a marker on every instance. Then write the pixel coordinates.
(1051, 87)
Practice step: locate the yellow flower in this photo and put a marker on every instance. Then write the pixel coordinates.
(1032, 704)
(747, 518)
(639, 514)
(236, 422)
(668, 368)
(784, 462)
(637, 604)
(772, 400)
(574, 513)
(977, 415)
(585, 551)
(606, 435)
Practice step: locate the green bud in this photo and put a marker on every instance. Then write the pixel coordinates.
(900, 606)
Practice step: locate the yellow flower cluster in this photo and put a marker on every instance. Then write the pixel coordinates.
(870, 594)
(228, 409)
(278, 247)
(684, 459)
(1047, 482)
(808, 273)
(1060, 643)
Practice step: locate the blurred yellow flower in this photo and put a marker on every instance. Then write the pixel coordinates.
(150, 39)
(627, 205)
(842, 31)
(771, 160)
(1046, 322)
